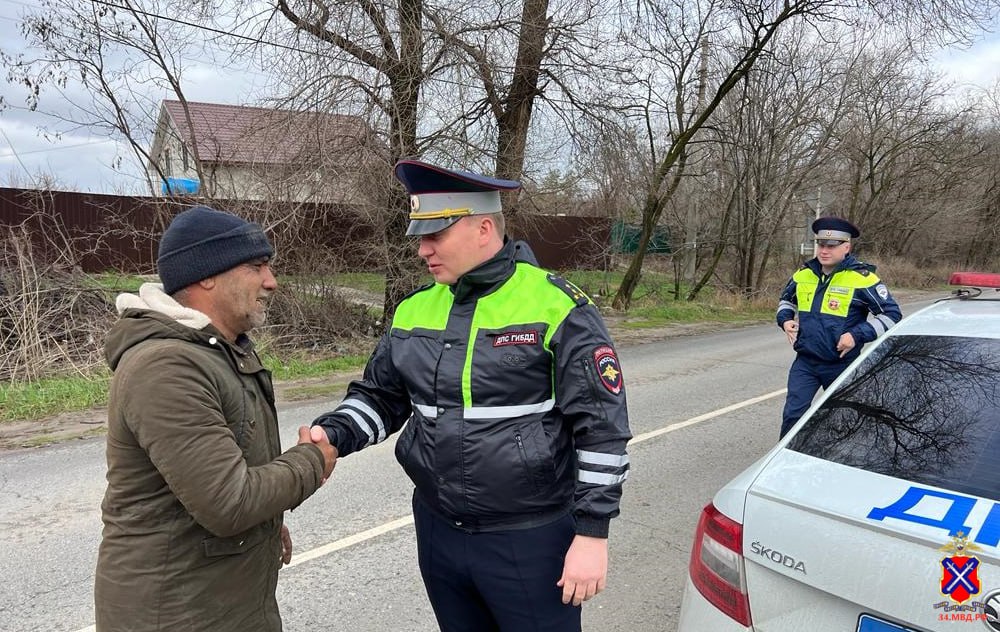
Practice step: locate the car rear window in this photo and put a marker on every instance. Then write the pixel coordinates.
(921, 408)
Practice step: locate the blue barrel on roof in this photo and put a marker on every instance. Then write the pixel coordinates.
(180, 186)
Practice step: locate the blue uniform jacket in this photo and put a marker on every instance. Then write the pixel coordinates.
(830, 305)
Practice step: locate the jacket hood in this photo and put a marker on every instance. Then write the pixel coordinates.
(152, 314)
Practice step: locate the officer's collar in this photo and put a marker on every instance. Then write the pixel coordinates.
(849, 263)
(487, 276)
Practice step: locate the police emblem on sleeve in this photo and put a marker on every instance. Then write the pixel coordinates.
(882, 290)
(608, 368)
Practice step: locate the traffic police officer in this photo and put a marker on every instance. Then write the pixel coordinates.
(517, 417)
(833, 294)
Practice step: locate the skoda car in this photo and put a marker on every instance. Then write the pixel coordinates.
(880, 511)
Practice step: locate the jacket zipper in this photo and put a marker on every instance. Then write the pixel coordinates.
(524, 459)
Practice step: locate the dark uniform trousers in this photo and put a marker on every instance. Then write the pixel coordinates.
(498, 581)
(805, 378)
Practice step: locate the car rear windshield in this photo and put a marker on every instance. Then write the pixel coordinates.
(921, 408)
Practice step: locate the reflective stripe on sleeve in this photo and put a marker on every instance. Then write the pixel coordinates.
(360, 422)
(373, 417)
(783, 305)
(601, 458)
(600, 478)
(885, 320)
(878, 326)
(502, 412)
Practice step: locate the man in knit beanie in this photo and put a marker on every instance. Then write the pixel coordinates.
(202, 242)
(197, 483)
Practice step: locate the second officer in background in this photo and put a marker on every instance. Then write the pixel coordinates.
(824, 311)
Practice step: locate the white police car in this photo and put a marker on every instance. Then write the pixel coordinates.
(880, 511)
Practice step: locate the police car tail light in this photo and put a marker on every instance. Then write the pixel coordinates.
(717, 564)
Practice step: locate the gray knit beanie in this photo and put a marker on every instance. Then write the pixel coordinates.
(201, 242)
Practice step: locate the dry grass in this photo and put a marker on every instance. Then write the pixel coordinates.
(901, 273)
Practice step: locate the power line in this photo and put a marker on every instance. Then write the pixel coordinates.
(16, 156)
(185, 23)
(216, 31)
(223, 33)
(48, 149)
(204, 28)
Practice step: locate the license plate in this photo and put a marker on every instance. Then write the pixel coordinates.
(868, 623)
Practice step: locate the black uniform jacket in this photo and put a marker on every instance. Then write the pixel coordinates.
(514, 396)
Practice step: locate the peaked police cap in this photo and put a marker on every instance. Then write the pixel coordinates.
(439, 197)
(829, 229)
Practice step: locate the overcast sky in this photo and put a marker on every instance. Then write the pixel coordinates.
(82, 160)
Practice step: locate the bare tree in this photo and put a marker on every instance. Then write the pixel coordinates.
(104, 57)
(759, 22)
(902, 152)
(979, 237)
(771, 137)
(375, 55)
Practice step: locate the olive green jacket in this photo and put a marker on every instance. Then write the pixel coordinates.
(196, 480)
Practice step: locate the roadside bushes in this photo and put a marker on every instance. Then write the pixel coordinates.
(51, 323)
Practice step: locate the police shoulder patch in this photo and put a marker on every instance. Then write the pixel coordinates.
(608, 369)
(575, 293)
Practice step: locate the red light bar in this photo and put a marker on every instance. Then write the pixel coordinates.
(975, 279)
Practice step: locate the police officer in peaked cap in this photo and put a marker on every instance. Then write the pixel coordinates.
(439, 198)
(834, 229)
(510, 400)
(824, 311)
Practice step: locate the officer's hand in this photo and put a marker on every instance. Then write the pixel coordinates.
(791, 328)
(845, 344)
(585, 571)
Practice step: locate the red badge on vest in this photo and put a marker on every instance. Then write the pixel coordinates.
(608, 368)
(515, 338)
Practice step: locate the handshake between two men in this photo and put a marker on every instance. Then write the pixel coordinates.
(317, 436)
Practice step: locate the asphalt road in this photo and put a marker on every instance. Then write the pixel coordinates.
(702, 408)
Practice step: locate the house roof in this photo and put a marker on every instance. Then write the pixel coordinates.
(223, 133)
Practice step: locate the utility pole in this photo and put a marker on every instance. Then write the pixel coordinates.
(819, 208)
(693, 218)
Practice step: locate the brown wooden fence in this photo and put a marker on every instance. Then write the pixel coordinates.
(109, 232)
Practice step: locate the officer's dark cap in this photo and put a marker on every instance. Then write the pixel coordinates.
(832, 231)
(439, 197)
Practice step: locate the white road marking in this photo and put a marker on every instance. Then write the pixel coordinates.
(374, 532)
(700, 418)
(357, 538)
